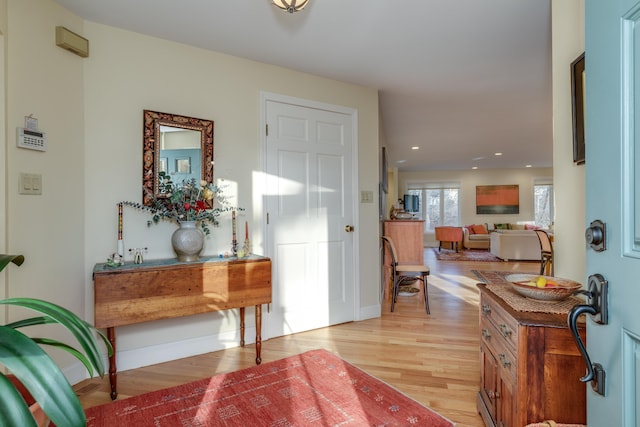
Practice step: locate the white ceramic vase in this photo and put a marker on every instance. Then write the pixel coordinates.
(188, 241)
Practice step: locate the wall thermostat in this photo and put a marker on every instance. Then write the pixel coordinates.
(33, 140)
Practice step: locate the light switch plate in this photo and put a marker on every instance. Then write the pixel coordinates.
(30, 183)
(366, 196)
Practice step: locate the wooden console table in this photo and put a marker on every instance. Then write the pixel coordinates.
(164, 289)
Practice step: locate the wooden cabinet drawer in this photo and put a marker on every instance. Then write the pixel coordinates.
(497, 345)
(487, 399)
(505, 325)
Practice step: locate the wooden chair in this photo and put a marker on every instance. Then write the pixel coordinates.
(400, 271)
(546, 253)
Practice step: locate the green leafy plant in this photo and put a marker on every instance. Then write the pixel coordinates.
(190, 201)
(23, 357)
(165, 184)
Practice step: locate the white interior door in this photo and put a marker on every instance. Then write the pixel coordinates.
(309, 153)
(613, 196)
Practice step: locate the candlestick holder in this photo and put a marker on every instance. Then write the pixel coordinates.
(137, 254)
(234, 247)
(246, 247)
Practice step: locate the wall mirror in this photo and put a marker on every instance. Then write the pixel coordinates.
(175, 148)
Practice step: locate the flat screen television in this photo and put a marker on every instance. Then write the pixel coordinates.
(411, 203)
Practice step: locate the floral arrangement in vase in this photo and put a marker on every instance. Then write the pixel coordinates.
(201, 202)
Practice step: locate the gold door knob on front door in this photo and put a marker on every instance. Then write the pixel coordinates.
(348, 228)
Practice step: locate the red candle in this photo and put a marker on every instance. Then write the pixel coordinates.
(246, 230)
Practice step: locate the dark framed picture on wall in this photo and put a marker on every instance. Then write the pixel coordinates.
(384, 175)
(578, 104)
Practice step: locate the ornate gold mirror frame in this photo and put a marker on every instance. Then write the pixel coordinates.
(151, 146)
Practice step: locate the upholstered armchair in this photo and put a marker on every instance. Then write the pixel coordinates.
(448, 234)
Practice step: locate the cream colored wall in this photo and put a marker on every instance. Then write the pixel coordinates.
(3, 158)
(46, 81)
(570, 222)
(92, 111)
(127, 73)
(469, 179)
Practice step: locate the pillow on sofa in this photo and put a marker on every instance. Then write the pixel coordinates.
(504, 226)
(531, 227)
(470, 229)
(479, 229)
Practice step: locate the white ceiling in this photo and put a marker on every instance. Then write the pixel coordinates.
(461, 79)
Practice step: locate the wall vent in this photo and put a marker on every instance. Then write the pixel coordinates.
(72, 42)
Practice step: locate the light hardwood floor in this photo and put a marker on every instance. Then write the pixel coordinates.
(432, 358)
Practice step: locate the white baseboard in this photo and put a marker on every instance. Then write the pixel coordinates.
(151, 355)
(139, 357)
(370, 312)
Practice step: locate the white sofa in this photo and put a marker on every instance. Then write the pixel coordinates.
(515, 245)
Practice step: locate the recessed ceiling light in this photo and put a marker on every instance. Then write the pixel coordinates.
(401, 161)
(527, 166)
(474, 168)
(498, 154)
(477, 158)
(415, 147)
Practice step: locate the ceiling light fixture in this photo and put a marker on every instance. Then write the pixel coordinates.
(291, 5)
(415, 147)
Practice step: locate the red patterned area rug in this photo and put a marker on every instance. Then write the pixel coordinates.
(315, 388)
(465, 255)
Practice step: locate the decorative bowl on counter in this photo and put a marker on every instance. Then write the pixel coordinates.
(543, 288)
(404, 215)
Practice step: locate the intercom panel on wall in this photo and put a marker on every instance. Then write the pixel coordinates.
(32, 139)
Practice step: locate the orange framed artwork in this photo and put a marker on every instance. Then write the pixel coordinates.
(497, 199)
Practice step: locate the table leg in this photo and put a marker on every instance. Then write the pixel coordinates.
(241, 326)
(258, 333)
(113, 372)
(426, 292)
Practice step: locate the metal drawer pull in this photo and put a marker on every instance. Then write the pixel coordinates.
(504, 330)
(486, 334)
(506, 363)
(486, 309)
(493, 395)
